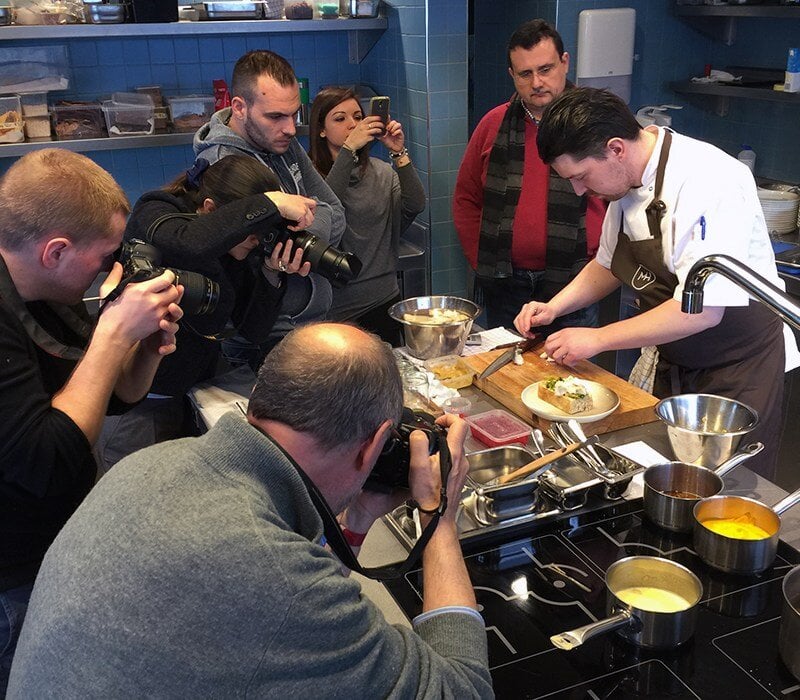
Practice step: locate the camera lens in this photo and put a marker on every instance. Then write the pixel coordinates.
(338, 266)
(200, 294)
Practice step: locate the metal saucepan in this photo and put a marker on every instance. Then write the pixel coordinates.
(790, 622)
(738, 517)
(651, 602)
(672, 489)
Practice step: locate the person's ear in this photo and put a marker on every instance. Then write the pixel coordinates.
(207, 206)
(53, 252)
(565, 60)
(373, 446)
(238, 108)
(616, 147)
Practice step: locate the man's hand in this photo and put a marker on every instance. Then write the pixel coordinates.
(294, 207)
(425, 474)
(143, 309)
(532, 314)
(569, 345)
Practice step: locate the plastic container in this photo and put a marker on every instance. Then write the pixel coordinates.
(34, 104)
(329, 9)
(458, 405)
(364, 8)
(451, 371)
(189, 113)
(747, 156)
(38, 128)
(33, 69)
(78, 120)
(498, 427)
(129, 114)
(11, 120)
(303, 9)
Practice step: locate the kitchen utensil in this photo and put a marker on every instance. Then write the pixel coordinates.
(435, 325)
(506, 357)
(546, 460)
(538, 440)
(790, 622)
(651, 602)
(705, 429)
(605, 400)
(672, 489)
(728, 553)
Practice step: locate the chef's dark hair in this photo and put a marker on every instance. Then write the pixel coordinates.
(527, 35)
(250, 67)
(580, 122)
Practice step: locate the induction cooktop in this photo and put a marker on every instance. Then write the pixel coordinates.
(535, 586)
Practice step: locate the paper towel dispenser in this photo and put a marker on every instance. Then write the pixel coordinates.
(605, 49)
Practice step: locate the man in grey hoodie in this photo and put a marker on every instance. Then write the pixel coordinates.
(261, 122)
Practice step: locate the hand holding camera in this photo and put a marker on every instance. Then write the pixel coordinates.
(285, 258)
(146, 312)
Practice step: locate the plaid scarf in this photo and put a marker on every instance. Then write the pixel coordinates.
(566, 212)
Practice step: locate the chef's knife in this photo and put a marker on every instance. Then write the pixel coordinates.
(504, 358)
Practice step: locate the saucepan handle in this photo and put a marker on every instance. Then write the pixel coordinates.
(574, 638)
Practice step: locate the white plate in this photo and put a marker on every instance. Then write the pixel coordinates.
(605, 403)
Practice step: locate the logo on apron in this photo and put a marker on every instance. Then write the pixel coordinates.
(642, 278)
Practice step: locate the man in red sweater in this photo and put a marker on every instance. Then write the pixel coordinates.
(523, 229)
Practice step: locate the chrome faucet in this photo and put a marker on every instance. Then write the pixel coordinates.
(767, 293)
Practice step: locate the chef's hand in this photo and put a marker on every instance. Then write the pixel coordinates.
(534, 313)
(569, 345)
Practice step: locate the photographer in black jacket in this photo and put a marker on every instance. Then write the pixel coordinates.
(210, 221)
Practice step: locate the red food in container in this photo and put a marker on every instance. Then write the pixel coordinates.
(498, 427)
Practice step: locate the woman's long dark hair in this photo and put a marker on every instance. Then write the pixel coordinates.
(229, 179)
(319, 152)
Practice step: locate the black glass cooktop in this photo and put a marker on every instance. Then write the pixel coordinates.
(533, 587)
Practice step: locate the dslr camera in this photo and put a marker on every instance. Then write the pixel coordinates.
(337, 266)
(391, 469)
(142, 261)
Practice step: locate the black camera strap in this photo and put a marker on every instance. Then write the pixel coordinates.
(340, 547)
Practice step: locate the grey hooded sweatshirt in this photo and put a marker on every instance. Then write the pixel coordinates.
(307, 298)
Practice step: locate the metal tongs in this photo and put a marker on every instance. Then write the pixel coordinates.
(572, 432)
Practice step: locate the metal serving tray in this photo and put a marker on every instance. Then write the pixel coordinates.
(230, 10)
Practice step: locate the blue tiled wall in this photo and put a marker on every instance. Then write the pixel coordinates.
(669, 48)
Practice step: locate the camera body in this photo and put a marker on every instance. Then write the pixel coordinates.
(142, 261)
(391, 469)
(337, 266)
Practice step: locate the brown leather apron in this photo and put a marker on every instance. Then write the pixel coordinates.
(741, 358)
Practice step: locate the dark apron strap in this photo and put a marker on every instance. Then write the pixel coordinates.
(656, 209)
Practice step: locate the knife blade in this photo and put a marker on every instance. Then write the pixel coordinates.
(504, 358)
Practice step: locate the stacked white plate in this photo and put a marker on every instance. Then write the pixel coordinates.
(781, 210)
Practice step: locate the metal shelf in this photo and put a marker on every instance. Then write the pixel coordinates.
(113, 143)
(184, 28)
(748, 93)
(719, 21)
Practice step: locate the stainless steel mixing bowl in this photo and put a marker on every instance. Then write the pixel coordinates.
(426, 340)
(705, 429)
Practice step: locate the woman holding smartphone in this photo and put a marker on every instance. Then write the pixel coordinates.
(380, 202)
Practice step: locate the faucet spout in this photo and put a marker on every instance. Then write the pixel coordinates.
(764, 291)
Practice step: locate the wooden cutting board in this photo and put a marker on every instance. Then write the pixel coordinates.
(506, 385)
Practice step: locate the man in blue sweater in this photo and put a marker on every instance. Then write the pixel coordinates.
(198, 568)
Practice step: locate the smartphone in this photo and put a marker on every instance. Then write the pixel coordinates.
(379, 107)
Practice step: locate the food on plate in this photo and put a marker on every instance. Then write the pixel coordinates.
(653, 599)
(737, 528)
(570, 394)
(436, 317)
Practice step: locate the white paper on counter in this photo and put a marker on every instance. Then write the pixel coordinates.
(226, 392)
(641, 453)
(491, 339)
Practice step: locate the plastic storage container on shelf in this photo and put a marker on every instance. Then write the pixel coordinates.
(33, 69)
(299, 10)
(498, 427)
(328, 10)
(78, 120)
(129, 114)
(364, 8)
(451, 371)
(11, 120)
(190, 112)
(34, 104)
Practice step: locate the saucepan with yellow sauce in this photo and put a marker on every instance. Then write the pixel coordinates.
(651, 602)
(738, 535)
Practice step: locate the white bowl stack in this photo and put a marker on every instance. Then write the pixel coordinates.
(781, 209)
